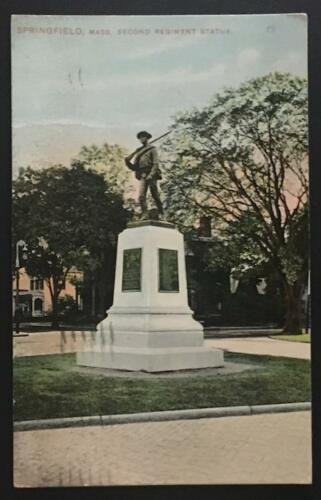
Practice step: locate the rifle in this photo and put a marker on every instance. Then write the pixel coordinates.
(151, 142)
(160, 137)
(139, 150)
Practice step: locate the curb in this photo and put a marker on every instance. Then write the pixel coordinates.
(210, 334)
(160, 416)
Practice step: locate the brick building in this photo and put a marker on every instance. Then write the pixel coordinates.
(34, 294)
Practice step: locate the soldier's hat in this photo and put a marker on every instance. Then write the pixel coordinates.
(143, 133)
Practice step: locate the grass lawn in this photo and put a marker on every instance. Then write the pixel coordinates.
(48, 387)
(302, 337)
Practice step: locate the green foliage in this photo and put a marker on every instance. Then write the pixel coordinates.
(299, 337)
(295, 253)
(67, 305)
(68, 217)
(241, 153)
(242, 160)
(108, 160)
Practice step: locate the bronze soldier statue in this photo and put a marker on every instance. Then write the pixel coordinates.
(147, 171)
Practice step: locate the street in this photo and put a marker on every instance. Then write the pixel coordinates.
(258, 449)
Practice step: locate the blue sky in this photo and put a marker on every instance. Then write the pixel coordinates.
(119, 83)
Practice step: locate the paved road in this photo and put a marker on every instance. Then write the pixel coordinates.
(256, 449)
(71, 341)
(263, 345)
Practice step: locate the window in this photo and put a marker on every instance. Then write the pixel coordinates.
(38, 305)
(36, 284)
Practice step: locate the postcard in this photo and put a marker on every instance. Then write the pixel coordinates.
(161, 278)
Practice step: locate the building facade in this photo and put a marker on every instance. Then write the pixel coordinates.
(34, 293)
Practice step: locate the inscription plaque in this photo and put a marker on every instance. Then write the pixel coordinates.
(168, 270)
(132, 259)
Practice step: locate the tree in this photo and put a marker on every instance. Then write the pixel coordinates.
(244, 158)
(108, 160)
(211, 262)
(68, 217)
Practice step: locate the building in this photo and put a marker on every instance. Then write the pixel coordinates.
(219, 298)
(34, 294)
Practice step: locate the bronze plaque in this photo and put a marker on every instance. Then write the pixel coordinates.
(132, 261)
(168, 270)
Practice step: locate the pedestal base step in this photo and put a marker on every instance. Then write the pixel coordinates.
(152, 360)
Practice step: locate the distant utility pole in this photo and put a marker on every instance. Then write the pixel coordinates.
(307, 305)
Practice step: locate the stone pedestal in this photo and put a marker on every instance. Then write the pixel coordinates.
(150, 325)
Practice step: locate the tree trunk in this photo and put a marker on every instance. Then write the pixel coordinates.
(93, 299)
(54, 299)
(103, 296)
(293, 309)
(54, 321)
(54, 295)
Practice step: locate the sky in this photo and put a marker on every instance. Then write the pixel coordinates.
(79, 80)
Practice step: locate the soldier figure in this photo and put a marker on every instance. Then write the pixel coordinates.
(147, 171)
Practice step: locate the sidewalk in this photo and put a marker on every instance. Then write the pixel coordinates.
(58, 342)
(259, 449)
(263, 346)
(54, 342)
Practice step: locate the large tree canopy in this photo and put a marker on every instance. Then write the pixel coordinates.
(244, 157)
(108, 159)
(68, 217)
